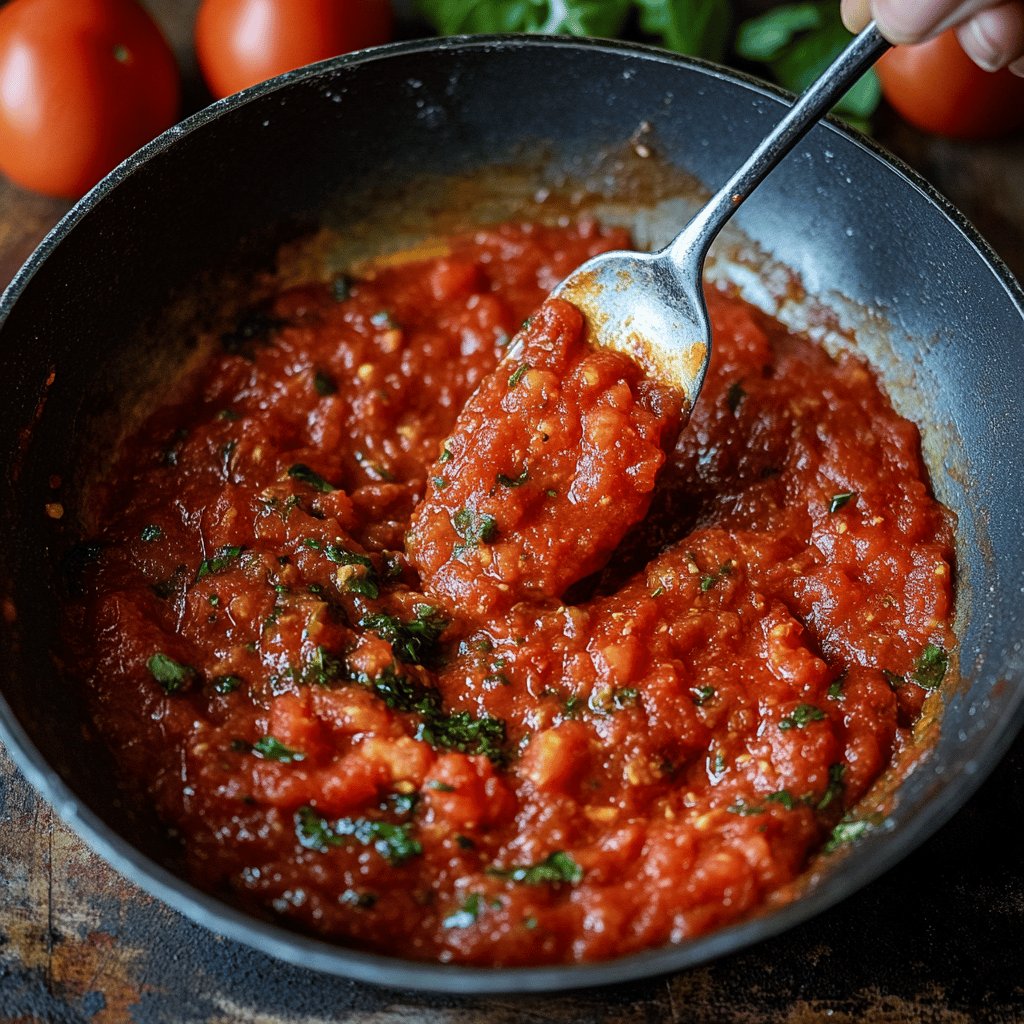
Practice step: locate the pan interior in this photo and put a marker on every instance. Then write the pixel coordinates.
(837, 242)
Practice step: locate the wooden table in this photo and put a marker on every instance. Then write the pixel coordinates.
(938, 940)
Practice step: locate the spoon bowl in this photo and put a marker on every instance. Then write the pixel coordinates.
(650, 306)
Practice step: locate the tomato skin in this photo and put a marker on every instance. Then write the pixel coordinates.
(938, 88)
(82, 86)
(242, 42)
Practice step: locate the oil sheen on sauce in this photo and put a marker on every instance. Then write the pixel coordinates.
(485, 661)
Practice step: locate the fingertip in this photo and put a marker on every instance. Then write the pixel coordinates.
(901, 22)
(855, 14)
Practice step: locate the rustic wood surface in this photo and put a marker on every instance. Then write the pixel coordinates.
(938, 940)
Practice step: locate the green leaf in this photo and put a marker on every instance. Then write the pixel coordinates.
(475, 527)
(151, 532)
(847, 832)
(394, 843)
(412, 642)
(803, 715)
(301, 472)
(518, 374)
(462, 732)
(221, 560)
(840, 501)
(573, 17)
(930, 668)
(699, 28)
(466, 915)
(172, 675)
(226, 684)
(798, 42)
(555, 868)
(272, 749)
(763, 38)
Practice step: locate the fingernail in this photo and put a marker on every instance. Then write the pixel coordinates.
(904, 22)
(979, 46)
(1017, 67)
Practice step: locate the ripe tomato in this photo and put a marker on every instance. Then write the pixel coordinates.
(938, 88)
(241, 42)
(82, 85)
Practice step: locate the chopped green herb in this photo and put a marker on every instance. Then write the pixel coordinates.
(439, 483)
(474, 527)
(514, 481)
(930, 668)
(301, 472)
(702, 694)
(847, 832)
(440, 787)
(530, 923)
(518, 374)
(657, 592)
(803, 714)
(840, 501)
(462, 732)
(314, 832)
(312, 542)
(151, 532)
(367, 584)
(165, 588)
(221, 560)
(170, 674)
(466, 915)
(555, 868)
(226, 684)
(709, 582)
(835, 786)
(835, 689)
(605, 700)
(321, 668)
(445, 456)
(551, 492)
(745, 809)
(272, 749)
(782, 796)
(228, 415)
(324, 383)
(894, 679)
(393, 842)
(413, 642)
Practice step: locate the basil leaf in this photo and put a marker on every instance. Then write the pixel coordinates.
(699, 28)
(170, 674)
(556, 867)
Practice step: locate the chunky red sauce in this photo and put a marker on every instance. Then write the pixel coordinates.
(480, 679)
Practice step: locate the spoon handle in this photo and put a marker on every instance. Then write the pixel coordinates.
(860, 55)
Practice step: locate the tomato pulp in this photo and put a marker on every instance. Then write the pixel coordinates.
(472, 661)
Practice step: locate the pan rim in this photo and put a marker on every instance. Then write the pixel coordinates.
(328, 958)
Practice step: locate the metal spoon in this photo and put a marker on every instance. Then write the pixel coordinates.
(651, 305)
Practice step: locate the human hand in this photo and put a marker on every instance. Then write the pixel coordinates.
(991, 32)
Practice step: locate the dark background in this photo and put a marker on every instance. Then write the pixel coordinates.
(937, 940)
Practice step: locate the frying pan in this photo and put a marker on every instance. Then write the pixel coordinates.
(90, 323)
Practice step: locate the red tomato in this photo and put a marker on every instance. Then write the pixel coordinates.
(938, 88)
(242, 42)
(83, 84)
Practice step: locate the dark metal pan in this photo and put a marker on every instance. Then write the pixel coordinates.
(85, 326)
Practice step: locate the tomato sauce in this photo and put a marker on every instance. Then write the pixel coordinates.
(476, 660)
